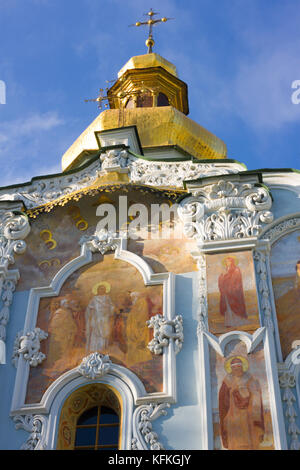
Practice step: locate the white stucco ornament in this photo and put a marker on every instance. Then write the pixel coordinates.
(226, 210)
(164, 331)
(28, 346)
(94, 366)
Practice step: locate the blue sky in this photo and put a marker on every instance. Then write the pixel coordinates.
(238, 57)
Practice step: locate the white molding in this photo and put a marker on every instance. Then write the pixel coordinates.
(281, 227)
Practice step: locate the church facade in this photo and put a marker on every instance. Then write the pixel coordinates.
(150, 291)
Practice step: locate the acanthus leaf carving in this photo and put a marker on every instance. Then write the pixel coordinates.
(225, 210)
(144, 438)
(35, 425)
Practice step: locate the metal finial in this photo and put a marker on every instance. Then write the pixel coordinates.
(150, 23)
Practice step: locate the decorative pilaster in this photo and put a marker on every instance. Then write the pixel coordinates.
(14, 228)
(260, 258)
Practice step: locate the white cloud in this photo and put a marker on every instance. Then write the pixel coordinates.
(24, 145)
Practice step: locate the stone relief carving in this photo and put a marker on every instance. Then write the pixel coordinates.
(144, 438)
(34, 424)
(225, 210)
(164, 331)
(94, 366)
(28, 346)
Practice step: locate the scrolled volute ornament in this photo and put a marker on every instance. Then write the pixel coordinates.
(35, 425)
(226, 210)
(14, 228)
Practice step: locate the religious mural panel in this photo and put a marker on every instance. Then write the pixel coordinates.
(55, 235)
(285, 270)
(102, 307)
(240, 399)
(231, 292)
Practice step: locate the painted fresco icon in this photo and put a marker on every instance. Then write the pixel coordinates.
(102, 307)
(240, 407)
(232, 300)
(98, 317)
(285, 270)
(231, 293)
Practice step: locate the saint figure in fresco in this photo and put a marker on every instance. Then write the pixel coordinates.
(98, 318)
(240, 407)
(232, 301)
(288, 307)
(62, 328)
(137, 331)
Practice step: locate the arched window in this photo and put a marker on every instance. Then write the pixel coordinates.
(130, 103)
(162, 100)
(97, 429)
(145, 100)
(90, 419)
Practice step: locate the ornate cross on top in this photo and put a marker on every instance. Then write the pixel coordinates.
(151, 22)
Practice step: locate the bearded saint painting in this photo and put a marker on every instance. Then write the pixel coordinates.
(232, 300)
(241, 410)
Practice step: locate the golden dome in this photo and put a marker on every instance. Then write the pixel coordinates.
(149, 95)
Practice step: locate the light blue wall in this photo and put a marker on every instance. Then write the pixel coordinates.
(284, 203)
(10, 438)
(180, 428)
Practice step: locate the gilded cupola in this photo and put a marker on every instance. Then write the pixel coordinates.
(148, 95)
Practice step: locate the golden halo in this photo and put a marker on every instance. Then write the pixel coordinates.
(236, 261)
(102, 283)
(227, 365)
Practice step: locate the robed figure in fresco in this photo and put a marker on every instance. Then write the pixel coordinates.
(232, 300)
(240, 407)
(98, 318)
